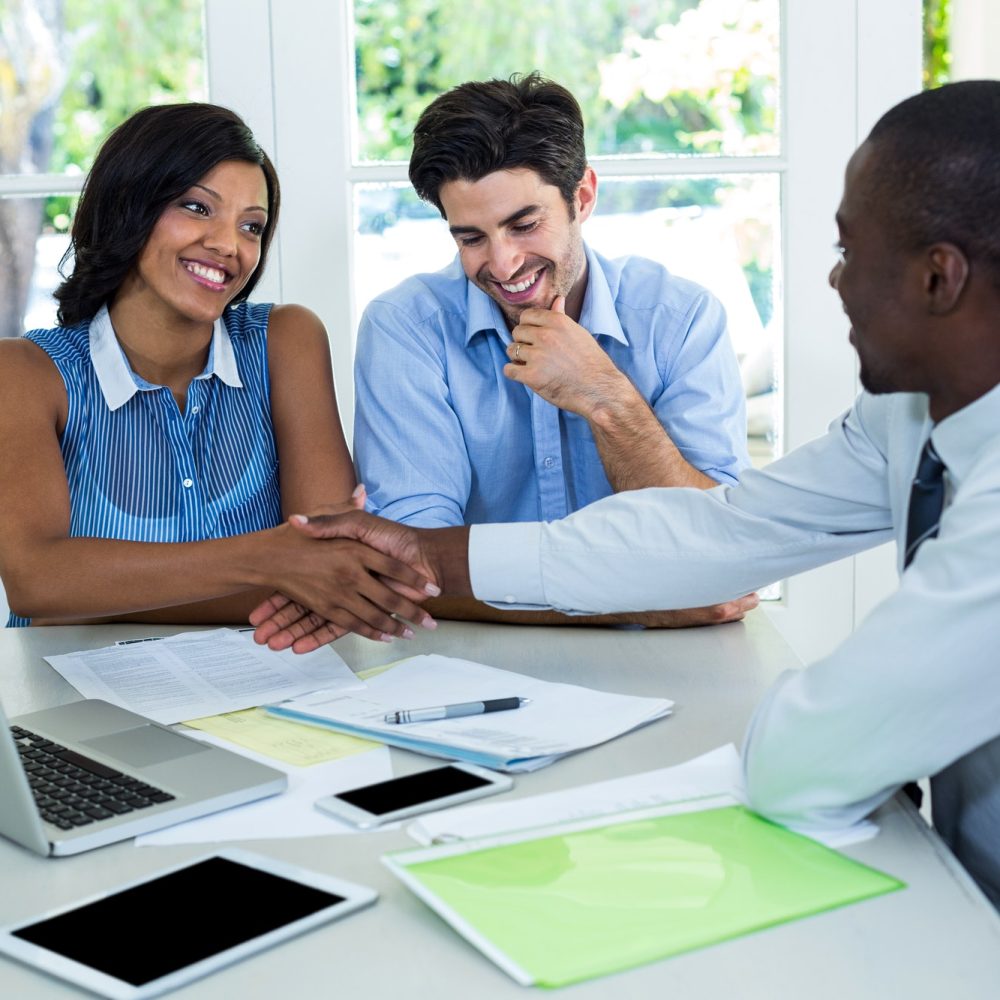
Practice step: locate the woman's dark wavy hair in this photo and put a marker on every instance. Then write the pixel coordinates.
(145, 163)
(481, 127)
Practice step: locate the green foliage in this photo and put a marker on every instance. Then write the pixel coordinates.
(121, 56)
(408, 51)
(651, 76)
(937, 42)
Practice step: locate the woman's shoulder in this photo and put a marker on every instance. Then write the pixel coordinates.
(28, 367)
(247, 319)
(294, 320)
(61, 343)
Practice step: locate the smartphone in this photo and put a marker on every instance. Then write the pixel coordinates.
(151, 935)
(439, 788)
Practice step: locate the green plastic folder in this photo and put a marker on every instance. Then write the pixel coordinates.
(556, 906)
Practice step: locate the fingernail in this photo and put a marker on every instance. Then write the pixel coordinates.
(433, 589)
(385, 637)
(299, 518)
(358, 490)
(407, 633)
(429, 622)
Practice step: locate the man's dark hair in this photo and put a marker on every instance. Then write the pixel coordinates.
(478, 128)
(145, 163)
(936, 174)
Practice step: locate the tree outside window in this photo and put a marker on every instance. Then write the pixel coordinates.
(70, 71)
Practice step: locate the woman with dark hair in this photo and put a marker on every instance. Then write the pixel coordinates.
(153, 443)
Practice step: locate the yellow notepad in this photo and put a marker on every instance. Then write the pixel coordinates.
(557, 905)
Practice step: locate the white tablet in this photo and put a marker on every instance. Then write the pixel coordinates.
(146, 937)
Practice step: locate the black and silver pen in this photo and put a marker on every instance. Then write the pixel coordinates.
(455, 711)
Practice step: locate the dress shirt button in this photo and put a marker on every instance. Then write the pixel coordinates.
(549, 462)
(188, 483)
(195, 409)
(510, 599)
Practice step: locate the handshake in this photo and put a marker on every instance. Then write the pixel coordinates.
(342, 570)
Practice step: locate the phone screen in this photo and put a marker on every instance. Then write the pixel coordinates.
(156, 928)
(411, 790)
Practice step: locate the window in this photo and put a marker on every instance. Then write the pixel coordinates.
(71, 72)
(681, 105)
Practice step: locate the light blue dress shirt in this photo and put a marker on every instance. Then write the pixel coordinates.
(138, 468)
(442, 438)
(914, 691)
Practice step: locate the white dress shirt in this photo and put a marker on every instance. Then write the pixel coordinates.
(913, 692)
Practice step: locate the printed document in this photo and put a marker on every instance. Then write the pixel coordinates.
(715, 773)
(559, 718)
(195, 674)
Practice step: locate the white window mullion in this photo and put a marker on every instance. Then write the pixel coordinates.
(313, 66)
(890, 62)
(819, 127)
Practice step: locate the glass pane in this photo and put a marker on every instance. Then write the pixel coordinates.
(71, 71)
(719, 231)
(652, 76)
(37, 230)
(396, 235)
(79, 67)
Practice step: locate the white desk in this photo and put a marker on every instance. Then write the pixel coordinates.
(938, 939)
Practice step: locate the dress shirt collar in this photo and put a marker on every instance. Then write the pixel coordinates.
(598, 314)
(960, 438)
(119, 383)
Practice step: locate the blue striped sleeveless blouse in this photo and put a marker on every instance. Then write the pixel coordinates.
(140, 470)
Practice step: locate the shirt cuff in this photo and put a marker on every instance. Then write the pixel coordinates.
(505, 565)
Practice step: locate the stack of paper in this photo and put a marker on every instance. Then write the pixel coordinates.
(196, 674)
(559, 719)
(718, 772)
(560, 904)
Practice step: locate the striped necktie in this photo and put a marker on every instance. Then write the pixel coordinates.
(926, 502)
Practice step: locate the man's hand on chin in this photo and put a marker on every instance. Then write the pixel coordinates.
(563, 362)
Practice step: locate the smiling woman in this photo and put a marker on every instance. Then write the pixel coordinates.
(153, 442)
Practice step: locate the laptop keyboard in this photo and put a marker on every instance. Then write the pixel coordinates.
(72, 790)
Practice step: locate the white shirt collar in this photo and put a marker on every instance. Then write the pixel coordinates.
(960, 438)
(119, 383)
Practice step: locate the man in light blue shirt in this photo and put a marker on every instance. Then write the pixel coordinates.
(627, 377)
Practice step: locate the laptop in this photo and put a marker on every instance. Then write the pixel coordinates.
(86, 774)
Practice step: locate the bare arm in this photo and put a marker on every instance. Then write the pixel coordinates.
(50, 575)
(564, 364)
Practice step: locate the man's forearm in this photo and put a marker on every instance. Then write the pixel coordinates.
(635, 449)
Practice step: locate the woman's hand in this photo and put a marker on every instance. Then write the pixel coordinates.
(282, 621)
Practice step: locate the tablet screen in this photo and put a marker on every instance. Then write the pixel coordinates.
(151, 930)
